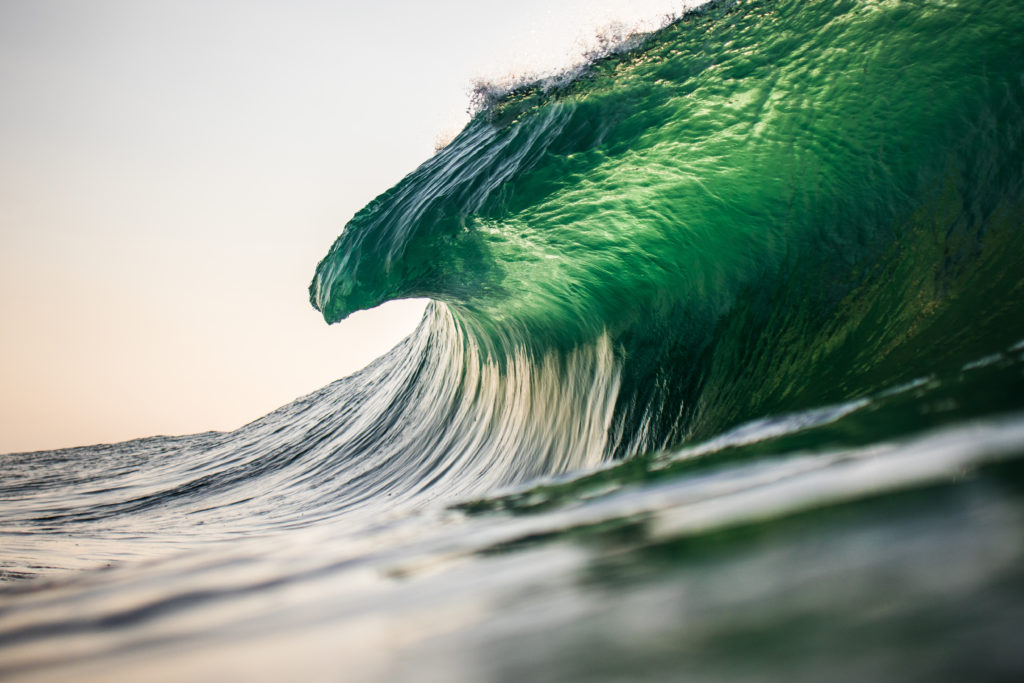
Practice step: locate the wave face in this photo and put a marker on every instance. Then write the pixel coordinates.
(762, 207)
(725, 360)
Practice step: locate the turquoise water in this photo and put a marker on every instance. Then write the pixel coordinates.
(723, 378)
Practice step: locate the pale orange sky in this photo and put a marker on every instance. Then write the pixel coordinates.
(172, 172)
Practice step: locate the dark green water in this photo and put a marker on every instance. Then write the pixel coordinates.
(723, 380)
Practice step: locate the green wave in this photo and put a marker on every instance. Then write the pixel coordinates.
(765, 206)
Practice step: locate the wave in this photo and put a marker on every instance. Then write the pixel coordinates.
(726, 348)
(759, 208)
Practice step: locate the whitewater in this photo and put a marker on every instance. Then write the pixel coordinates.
(722, 378)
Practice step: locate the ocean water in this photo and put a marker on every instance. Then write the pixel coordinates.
(723, 379)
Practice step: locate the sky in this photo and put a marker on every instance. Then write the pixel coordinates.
(172, 172)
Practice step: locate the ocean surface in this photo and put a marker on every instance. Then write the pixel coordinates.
(722, 379)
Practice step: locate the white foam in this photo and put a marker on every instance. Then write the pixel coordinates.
(551, 56)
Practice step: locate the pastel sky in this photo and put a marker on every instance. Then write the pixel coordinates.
(172, 171)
